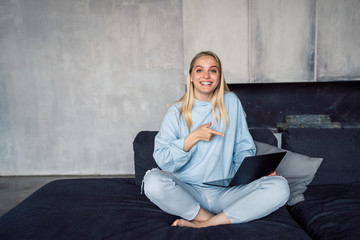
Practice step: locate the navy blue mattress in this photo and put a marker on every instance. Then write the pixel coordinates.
(114, 208)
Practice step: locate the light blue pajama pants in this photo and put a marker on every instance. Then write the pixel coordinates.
(240, 203)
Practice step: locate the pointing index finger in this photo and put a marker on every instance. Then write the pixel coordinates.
(217, 133)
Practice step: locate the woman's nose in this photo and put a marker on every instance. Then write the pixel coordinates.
(206, 74)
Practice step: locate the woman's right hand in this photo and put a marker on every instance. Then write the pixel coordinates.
(203, 133)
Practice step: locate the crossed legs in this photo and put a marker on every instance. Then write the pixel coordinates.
(219, 205)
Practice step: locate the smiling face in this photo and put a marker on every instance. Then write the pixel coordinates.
(205, 76)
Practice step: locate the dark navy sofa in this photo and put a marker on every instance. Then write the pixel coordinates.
(114, 208)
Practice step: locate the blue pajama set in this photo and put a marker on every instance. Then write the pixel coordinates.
(178, 187)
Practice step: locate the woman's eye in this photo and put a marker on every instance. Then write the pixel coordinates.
(199, 71)
(214, 71)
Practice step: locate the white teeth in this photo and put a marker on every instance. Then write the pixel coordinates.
(205, 83)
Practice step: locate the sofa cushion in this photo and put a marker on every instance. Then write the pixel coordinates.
(299, 170)
(114, 208)
(340, 149)
(263, 135)
(143, 146)
(330, 211)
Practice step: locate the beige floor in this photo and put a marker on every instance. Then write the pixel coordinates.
(15, 189)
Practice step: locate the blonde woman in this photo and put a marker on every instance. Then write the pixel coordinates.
(203, 137)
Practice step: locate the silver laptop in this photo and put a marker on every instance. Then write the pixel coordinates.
(251, 168)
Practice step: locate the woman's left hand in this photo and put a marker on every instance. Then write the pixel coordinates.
(272, 174)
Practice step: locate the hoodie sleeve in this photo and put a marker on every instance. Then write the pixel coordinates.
(244, 143)
(169, 145)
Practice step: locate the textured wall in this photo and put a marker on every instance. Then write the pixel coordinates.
(222, 28)
(277, 40)
(79, 78)
(338, 40)
(282, 40)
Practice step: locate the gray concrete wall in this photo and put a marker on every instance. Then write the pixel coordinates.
(338, 43)
(220, 26)
(282, 40)
(80, 78)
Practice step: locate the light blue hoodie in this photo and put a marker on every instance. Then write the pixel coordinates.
(217, 159)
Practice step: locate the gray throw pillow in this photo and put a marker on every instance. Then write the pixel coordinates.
(299, 170)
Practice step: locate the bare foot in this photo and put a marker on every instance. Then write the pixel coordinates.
(219, 219)
(203, 216)
(184, 223)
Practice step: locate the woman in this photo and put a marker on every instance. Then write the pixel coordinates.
(203, 137)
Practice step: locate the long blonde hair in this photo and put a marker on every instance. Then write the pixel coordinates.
(217, 98)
